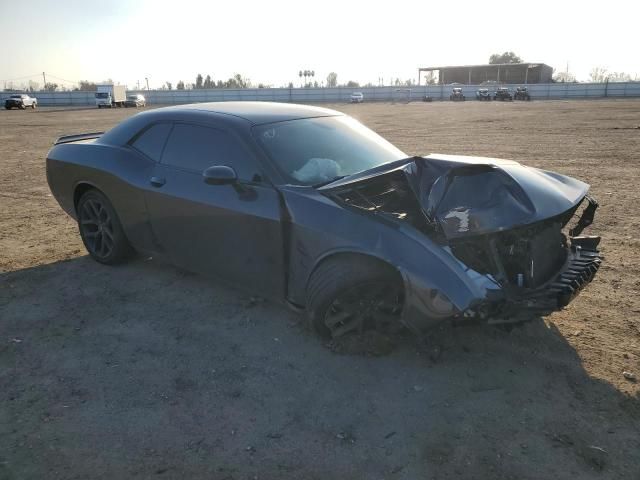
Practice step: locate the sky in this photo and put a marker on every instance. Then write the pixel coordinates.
(269, 42)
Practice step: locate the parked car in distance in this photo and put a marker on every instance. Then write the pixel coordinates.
(135, 100)
(307, 206)
(483, 94)
(457, 95)
(502, 94)
(522, 93)
(357, 97)
(21, 101)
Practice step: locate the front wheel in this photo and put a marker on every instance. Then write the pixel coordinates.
(101, 230)
(33, 106)
(351, 294)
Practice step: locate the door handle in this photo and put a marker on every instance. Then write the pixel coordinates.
(157, 181)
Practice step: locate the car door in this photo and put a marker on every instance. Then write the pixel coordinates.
(233, 231)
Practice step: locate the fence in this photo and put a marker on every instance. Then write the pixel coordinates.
(342, 94)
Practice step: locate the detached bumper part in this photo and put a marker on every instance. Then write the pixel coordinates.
(586, 218)
(583, 263)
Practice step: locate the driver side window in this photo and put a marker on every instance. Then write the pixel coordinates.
(196, 148)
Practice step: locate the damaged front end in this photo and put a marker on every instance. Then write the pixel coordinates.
(540, 268)
(505, 227)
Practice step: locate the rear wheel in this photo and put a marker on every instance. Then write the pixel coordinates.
(351, 294)
(101, 230)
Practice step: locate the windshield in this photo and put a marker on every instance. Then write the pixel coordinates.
(102, 95)
(16, 96)
(317, 150)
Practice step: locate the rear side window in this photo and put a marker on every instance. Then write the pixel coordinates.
(197, 148)
(152, 140)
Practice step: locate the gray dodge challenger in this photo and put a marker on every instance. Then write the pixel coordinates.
(307, 206)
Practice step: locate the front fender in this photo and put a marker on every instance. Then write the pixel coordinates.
(432, 276)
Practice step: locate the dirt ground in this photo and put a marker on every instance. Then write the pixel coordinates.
(150, 372)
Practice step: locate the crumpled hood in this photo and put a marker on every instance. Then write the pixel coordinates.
(475, 195)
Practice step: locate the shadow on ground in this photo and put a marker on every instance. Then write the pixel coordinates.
(146, 371)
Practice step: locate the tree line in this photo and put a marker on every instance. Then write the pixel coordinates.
(597, 75)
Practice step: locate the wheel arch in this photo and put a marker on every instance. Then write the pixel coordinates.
(358, 254)
(80, 189)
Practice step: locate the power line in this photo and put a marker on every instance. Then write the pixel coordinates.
(20, 78)
(38, 75)
(63, 79)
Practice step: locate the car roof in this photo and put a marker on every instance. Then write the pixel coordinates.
(257, 112)
(234, 114)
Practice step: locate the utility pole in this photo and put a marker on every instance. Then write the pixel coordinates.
(147, 80)
(45, 81)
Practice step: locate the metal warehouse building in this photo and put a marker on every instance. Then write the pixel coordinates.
(501, 72)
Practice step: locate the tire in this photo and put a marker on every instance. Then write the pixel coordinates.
(348, 294)
(101, 230)
(33, 106)
(7, 108)
(23, 107)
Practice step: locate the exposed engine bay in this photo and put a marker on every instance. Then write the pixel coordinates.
(388, 195)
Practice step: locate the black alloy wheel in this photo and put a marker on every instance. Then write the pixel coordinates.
(100, 229)
(368, 306)
(97, 228)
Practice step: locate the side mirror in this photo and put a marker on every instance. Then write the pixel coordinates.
(220, 175)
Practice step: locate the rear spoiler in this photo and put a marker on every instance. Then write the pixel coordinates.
(76, 138)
